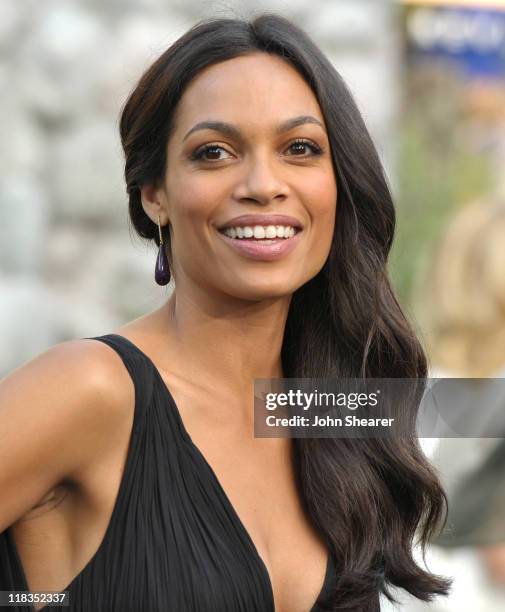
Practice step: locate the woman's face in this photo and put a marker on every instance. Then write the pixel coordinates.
(267, 153)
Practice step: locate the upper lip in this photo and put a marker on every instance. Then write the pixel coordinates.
(263, 220)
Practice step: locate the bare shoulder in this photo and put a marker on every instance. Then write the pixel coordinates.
(58, 412)
(64, 379)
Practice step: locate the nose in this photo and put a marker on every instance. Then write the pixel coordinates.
(262, 181)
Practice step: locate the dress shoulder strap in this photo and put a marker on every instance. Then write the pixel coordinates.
(138, 366)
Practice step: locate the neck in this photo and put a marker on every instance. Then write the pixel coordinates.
(230, 342)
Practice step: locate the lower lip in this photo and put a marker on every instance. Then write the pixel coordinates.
(256, 249)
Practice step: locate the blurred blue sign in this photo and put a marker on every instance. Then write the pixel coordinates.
(473, 38)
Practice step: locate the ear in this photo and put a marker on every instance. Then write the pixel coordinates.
(154, 203)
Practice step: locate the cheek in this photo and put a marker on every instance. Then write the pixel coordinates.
(322, 209)
(323, 201)
(187, 205)
(194, 198)
(329, 192)
(191, 202)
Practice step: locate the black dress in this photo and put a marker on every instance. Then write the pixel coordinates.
(174, 542)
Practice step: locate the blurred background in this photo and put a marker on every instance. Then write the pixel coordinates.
(429, 77)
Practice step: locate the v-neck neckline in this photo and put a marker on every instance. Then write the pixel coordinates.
(217, 482)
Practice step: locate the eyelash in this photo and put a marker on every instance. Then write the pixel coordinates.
(198, 155)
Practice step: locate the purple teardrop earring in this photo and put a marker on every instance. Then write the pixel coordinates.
(162, 269)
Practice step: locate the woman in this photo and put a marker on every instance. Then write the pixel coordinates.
(147, 478)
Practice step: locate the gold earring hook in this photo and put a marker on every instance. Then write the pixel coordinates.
(159, 229)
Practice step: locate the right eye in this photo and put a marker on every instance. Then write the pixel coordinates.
(202, 153)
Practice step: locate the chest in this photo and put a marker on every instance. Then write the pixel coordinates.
(258, 481)
(219, 522)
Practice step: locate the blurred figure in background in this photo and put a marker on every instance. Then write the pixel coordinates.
(463, 313)
(464, 296)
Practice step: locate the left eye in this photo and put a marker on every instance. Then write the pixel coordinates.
(303, 144)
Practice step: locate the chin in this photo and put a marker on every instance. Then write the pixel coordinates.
(258, 291)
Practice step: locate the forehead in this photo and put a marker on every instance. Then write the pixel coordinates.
(257, 90)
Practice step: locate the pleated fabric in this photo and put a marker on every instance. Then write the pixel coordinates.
(174, 541)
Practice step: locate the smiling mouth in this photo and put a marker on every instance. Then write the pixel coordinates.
(260, 243)
(269, 234)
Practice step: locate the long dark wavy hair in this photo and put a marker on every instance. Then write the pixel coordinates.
(372, 499)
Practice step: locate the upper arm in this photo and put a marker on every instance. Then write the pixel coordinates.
(57, 412)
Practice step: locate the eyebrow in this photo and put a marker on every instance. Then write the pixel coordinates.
(231, 130)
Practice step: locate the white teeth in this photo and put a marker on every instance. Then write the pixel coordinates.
(260, 232)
